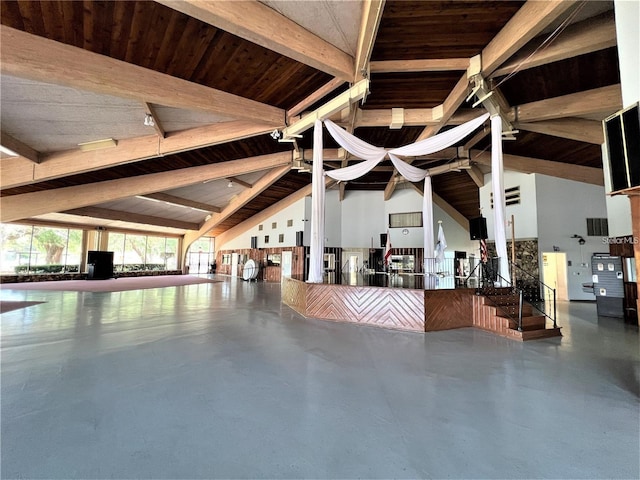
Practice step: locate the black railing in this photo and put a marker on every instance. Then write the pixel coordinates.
(541, 296)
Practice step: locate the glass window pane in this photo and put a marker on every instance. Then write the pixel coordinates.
(171, 253)
(155, 258)
(47, 249)
(116, 245)
(15, 245)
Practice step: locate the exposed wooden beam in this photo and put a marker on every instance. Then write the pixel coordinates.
(17, 171)
(313, 98)
(533, 17)
(580, 129)
(476, 175)
(426, 65)
(578, 173)
(382, 117)
(604, 100)
(25, 205)
(371, 16)
(453, 101)
(37, 58)
(451, 211)
(588, 36)
(242, 183)
(185, 202)
(264, 26)
(19, 147)
(241, 200)
(476, 138)
(105, 213)
(265, 214)
(150, 110)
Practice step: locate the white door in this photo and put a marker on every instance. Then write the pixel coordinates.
(234, 264)
(554, 273)
(287, 262)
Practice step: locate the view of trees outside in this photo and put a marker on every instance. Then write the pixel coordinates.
(201, 255)
(30, 249)
(142, 252)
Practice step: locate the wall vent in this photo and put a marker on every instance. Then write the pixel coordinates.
(402, 220)
(597, 227)
(511, 196)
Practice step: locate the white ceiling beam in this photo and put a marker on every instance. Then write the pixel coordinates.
(16, 207)
(588, 36)
(580, 129)
(18, 147)
(17, 171)
(604, 101)
(37, 58)
(425, 65)
(371, 16)
(338, 103)
(264, 26)
(313, 98)
(568, 171)
(531, 19)
(184, 202)
(117, 215)
(157, 125)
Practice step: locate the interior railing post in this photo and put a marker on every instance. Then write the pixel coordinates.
(554, 308)
(520, 313)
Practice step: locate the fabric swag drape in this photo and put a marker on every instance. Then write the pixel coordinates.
(372, 156)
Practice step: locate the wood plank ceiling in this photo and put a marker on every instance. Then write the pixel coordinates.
(161, 39)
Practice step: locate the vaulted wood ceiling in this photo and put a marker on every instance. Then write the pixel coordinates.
(217, 77)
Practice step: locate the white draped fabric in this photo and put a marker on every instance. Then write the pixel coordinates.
(316, 254)
(373, 155)
(499, 205)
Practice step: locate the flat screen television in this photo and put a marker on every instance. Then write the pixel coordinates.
(622, 140)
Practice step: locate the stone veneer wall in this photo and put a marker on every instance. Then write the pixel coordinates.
(526, 255)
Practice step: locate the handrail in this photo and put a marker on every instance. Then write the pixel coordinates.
(541, 296)
(528, 288)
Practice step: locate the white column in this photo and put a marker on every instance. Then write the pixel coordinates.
(316, 258)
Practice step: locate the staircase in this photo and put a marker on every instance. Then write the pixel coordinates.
(499, 313)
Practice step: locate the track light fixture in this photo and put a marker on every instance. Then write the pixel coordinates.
(230, 184)
(148, 120)
(276, 134)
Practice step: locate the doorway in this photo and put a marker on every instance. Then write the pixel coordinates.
(287, 261)
(234, 264)
(554, 273)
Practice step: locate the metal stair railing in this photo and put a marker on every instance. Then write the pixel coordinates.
(539, 295)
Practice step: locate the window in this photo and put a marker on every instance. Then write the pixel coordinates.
(281, 238)
(260, 227)
(266, 239)
(142, 252)
(28, 249)
(290, 223)
(402, 220)
(597, 227)
(274, 225)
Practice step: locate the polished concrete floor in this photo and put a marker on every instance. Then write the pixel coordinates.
(222, 381)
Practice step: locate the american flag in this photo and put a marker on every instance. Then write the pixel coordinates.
(484, 256)
(387, 250)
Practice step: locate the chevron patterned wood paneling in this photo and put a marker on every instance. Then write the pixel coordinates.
(294, 294)
(383, 307)
(447, 309)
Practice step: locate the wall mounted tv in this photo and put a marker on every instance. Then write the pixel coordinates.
(622, 139)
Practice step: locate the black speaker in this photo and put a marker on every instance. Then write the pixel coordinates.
(622, 140)
(254, 242)
(478, 228)
(383, 240)
(299, 238)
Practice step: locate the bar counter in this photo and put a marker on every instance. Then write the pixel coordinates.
(396, 301)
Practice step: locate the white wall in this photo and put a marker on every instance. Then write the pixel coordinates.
(356, 223)
(563, 207)
(524, 213)
(295, 212)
